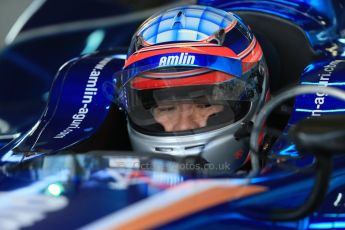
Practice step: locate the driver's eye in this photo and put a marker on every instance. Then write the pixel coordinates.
(203, 106)
(166, 108)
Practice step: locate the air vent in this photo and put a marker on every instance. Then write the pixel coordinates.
(195, 149)
(164, 149)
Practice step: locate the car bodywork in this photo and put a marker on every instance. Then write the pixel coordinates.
(45, 184)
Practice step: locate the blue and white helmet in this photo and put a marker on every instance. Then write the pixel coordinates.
(199, 63)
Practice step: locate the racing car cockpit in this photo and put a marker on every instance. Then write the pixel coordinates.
(187, 108)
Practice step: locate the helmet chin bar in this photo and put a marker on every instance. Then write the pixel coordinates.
(323, 162)
(216, 146)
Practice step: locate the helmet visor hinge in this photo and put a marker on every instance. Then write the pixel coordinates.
(218, 37)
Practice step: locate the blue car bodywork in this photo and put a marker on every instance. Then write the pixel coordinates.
(54, 175)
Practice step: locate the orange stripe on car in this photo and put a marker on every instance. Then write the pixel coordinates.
(189, 205)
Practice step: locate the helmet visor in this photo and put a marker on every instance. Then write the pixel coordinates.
(186, 99)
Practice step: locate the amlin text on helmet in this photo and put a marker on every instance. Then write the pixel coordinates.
(89, 92)
(182, 59)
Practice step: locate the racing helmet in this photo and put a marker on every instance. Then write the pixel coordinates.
(192, 76)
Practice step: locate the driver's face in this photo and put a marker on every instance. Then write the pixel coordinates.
(181, 116)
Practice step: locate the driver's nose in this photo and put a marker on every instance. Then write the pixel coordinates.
(186, 119)
(185, 124)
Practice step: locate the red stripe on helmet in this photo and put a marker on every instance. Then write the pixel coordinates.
(212, 77)
(185, 73)
(216, 50)
(252, 58)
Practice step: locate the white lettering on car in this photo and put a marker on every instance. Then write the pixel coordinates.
(89, 93)
(323, 82)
